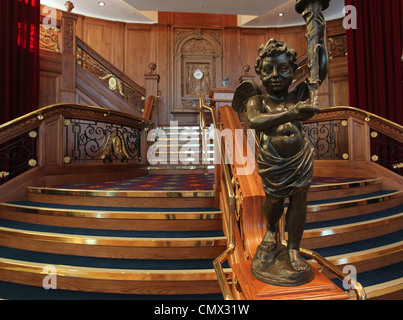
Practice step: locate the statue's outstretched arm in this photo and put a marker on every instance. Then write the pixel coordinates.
(264, 121)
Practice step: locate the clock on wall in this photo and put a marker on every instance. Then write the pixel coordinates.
(198, 74)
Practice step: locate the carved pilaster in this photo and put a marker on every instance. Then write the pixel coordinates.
(68, 87)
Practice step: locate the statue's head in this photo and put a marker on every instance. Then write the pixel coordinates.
(275, 48)
(276, 65)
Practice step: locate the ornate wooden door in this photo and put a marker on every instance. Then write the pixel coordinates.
(197, 69)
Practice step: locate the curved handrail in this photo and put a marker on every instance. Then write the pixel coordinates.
(32, 120)
(355, 285)
(374, 121)
(222, 281)
(129, 82)
(46, 137)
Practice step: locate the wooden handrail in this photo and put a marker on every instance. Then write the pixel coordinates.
(65, 139)
(136, 87)
(374, 121)
(149, 109)
(32, 120)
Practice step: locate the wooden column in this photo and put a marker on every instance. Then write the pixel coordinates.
(68, 87)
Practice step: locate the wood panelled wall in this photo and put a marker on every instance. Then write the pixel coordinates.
(132, 47)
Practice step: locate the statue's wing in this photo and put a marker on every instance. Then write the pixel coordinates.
(243, 93)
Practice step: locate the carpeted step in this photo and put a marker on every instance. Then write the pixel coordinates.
(129, 276)
(383, 281)
(112, 243)
(334, 187)
(350, 229)
(113, 218)
(157, 191)
(15, 291)
(362, 245)
(367, 254)
(330, 209)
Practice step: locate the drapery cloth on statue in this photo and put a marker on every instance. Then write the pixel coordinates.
(283, 177)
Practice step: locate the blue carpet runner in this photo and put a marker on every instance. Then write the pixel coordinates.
(14, 291)
(109, 233)
(108, 263)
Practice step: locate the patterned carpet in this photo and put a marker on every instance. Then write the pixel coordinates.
(150, 182)
(173, 182)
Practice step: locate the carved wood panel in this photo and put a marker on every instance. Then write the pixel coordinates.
(197, 65)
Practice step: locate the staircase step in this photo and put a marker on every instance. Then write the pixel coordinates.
(15, 291)
(384, 283)
(112, 243)
(175, 191)
(330, 209)
(330, 188)
(366, 254)
(113, 218)
(339, 231)
(155, 199)
(127, 276)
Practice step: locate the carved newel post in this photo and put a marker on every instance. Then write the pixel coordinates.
(285, 158)
(68, 82)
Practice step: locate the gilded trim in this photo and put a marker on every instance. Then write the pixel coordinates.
(122, 194)
(345, 185)
(114, 241)
(385, 288)
(354, 203)
(353, 227)
(127, 215)
(112, 274)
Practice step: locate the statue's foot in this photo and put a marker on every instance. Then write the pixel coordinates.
(268, 249)
(270, 240)
(296, 261)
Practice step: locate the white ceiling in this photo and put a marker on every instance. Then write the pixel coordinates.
(252, 13)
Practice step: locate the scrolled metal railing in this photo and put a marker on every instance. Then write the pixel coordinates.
(90, 134)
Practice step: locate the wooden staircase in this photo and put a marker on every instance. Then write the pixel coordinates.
(355, 224)
(359, 224)
(117, 243)
(129, 242)
(145, 243)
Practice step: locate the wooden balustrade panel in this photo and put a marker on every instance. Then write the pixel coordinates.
(249, 188)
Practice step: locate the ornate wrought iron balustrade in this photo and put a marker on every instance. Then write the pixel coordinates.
(18, 156)
(49, 38)
(387, 152)
(329, 138)
(101, 142)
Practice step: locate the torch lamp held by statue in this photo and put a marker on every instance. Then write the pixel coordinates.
(311, 11)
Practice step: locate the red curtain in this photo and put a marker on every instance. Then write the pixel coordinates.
(374, 56)
(19, 57)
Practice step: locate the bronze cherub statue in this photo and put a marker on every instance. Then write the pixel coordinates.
(285, 157)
